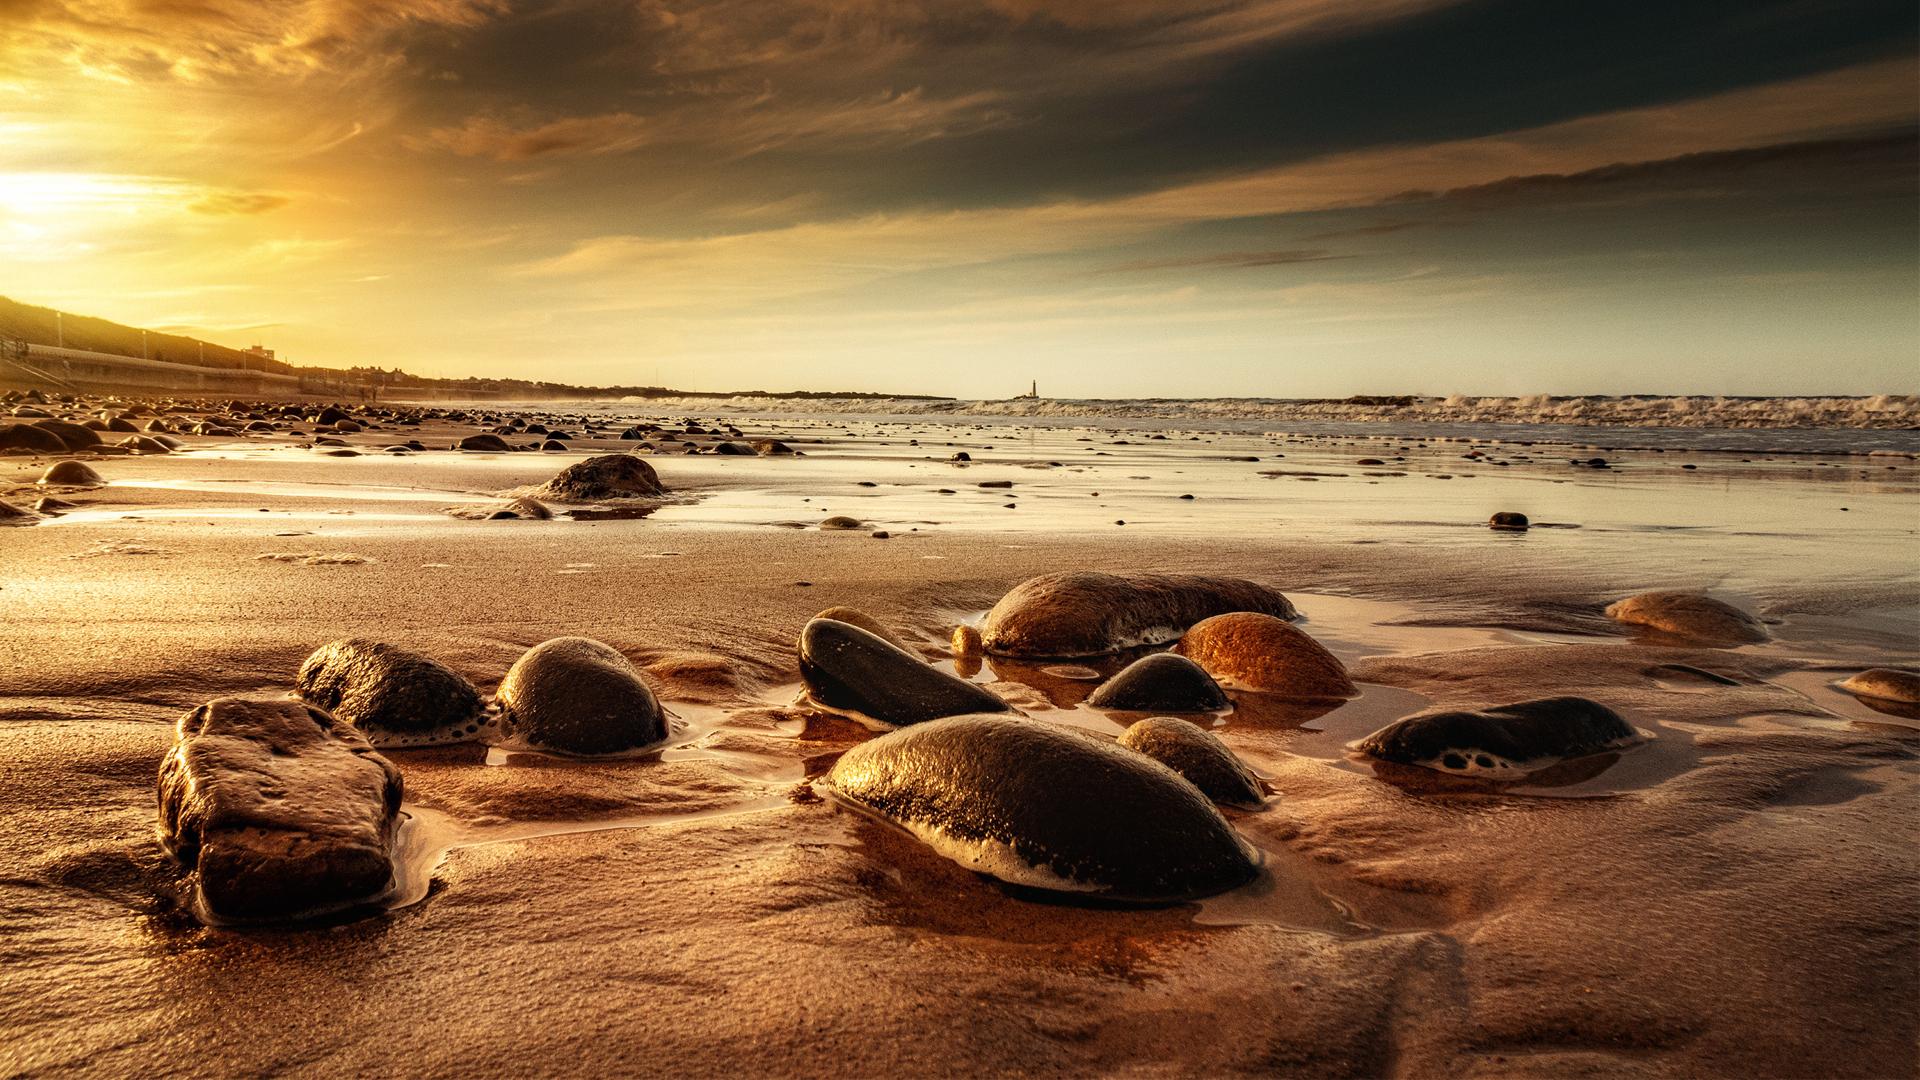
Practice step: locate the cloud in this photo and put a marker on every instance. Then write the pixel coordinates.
(490, 137)
(1229, 260)
(238, 202)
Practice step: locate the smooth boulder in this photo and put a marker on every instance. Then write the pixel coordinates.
(1885, 684)
(856, 617)
(484, 443)
(392, 696)
(1509, 521)
(71, 474)
(1503, 741)
(31, 438)
(1251, 651)
(574, 695)
(609, 476)
(1087, 613)
(278, 809)
(1044, 806)
(1694, 616)
(1198, 755)
(848, 669)
(1163, 682)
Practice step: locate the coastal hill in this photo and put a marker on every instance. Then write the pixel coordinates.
(38, 346)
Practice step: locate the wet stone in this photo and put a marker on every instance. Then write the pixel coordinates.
(1085, 613)
(1507, 740)
(1163, 682)
(394, 697)
(278, 810)
(1198, 755)
(849, 669)
(1251, 651)
(1047, 807)
(574, 695)
(1694, 616)
(609, 476)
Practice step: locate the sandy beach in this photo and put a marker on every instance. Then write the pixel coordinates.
(1733, 896)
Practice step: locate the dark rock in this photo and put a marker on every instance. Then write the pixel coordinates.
(609, 476)
(278, 809)
(841, 521)
(1163, 682)
(145, 444)
(853, 670)
(75, 436)
(485, 443)
(15, 515)
(392, 696)
(71, 474)
(575, 695)
(733, 449)
(771, 447)
(1085, 613)
(1044, 806)
(31, 437)
(1509, 520)
(1198, 755)
(553, 444)
(1507, 740)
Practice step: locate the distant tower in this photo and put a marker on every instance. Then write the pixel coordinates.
(1033, 391)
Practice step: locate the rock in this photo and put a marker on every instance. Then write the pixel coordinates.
(1885, 684)
(841, 521)
(849, 669)
(856, 617)
(1508, 520)
(29, 437)
(609, 476)
(966, 641)
(771, 447)
(145, 444)
(75, 436)
(733, 449)
(390, 695)
(1503, 741)
(530, 509)
(15, 515)
(1198, 755)
(484, 443)
(1369, 461)
(553, 444)
(331, 415)
(1251, 651)
(575, 695)
(47, 504)
(1086, 613)
(1047, 807)
(1689, 615)
(1162, 682)
(961, 456)
(278, 809)
(71, 474)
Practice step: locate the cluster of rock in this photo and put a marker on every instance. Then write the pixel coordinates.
(283, 807)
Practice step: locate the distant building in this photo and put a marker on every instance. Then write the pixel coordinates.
(259, 352)
(1032, 394)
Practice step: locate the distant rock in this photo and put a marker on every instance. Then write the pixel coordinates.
(15, 515)
(1694, 616)
(1506, 741)
(1162, 682)
(609, 476)
(841, 521)
(575, 695)
(771, 448)
(1043, 806)
(849, 669)
(75, 436)
(71, 474)
(32, 438)
(392, 696)
(145, 444)
(1198, 755)
(1509, 521)
(484, 443)
(1251, 651)
(278, 809)
(1087, 613)
(733, 449)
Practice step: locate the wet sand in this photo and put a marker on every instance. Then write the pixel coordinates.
(1736, 897)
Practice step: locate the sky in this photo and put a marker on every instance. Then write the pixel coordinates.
(1117, 198)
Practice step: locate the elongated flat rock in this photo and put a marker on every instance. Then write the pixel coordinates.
(1198, 755)
(1504, 741)
(575, 695)
(279, 809)
(1886, 684)
(392, 696)
(1251, 651)
(1039, 805)
(1163, 682)
(1086, 613)
(1695, 616)
(853, 670)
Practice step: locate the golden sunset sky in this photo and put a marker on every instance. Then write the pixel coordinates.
(1119, 198)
